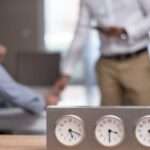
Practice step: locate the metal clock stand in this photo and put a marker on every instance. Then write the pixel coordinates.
(98, 128)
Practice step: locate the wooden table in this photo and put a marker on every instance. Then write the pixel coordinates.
(22, 142)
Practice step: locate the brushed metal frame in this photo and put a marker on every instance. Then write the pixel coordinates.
(89, 115)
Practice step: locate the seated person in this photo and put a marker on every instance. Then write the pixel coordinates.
(20, 95)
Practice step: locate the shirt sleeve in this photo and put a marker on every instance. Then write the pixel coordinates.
(137, 31)
(78, 42)
(19, 95)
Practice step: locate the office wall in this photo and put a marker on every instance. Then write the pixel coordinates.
(21, 28)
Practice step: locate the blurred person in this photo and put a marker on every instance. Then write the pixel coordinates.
(123, 70)
(18, 94)
(2, 52)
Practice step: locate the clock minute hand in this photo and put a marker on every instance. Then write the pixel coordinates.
(109, 138)
(76, 132)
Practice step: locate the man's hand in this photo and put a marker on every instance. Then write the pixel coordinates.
(3, 51)
(53, 96)
(112, 31)
(61, 83)
(51, 99)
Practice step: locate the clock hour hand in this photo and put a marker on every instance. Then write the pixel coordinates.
(76, 132)
(70, 131)
(114, 132)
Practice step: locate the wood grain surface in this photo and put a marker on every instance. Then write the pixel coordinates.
(22, 142)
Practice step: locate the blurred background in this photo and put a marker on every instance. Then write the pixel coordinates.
(37, 34)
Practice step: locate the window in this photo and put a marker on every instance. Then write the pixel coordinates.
(60, 21)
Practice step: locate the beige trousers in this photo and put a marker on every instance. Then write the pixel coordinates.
(126, 81)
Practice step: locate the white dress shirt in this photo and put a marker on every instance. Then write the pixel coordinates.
(132, 15)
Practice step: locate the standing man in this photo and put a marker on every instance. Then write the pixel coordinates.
(124, 67)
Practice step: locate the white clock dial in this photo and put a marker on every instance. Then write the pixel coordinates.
(70, 130)
(142, 131)
(109, 131)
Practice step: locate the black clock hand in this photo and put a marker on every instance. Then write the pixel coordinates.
(114, 132)
(70, 131)
(75, 132)
(109, 138)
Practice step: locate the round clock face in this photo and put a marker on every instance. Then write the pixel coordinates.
(142, 131)
(110, 131)
(70, 130)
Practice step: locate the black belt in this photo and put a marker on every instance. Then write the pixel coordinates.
(126, 56)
